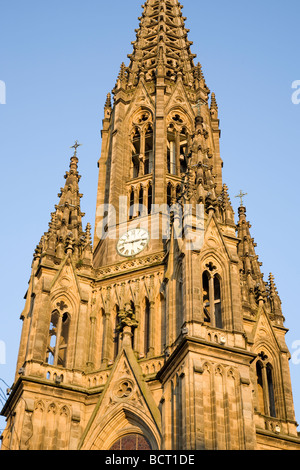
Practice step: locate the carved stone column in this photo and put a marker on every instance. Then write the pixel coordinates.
(90, 362)
(151, 329)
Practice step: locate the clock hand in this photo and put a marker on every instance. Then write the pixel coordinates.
(135, 241)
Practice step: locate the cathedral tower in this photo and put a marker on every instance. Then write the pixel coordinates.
(162, 333)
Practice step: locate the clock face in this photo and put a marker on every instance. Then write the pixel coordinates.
(133, 242)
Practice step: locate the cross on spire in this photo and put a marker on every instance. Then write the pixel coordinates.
(241, 195)
(75, 146)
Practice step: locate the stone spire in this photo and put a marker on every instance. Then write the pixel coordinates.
(108, 101)
(226, 206)
(213, 103)
(274, 301)
(162, 39)
(214, 110)
(252, 277)
(65, 234)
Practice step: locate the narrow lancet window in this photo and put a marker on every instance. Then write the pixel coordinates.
(58, 339)
(212, 302)
(206, 301)
(265, 387)
(136, 151)
(183, 151)
(141, 201)
(131, 204)
(260, 388)
(148, 165)
(217, 302)
(272, 408)
(171, 151)
(150, 198)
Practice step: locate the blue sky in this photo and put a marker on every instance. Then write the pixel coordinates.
(60, 58)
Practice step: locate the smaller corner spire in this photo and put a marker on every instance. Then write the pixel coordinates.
(272, 284)
(198, 72)
(213, 103)
(108, 101)
(122, 73)
(275, 301)
(226, 205)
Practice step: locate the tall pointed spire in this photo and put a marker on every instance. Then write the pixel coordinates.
(227, 210)
(108, 101)
(65, 234)
(252, 277)
(162, 39)
(69, 215)
(274, 301)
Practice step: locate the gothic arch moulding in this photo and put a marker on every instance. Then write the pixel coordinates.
(122, 421)
(180, 119)
(210, 256)
(141, 117)
(68, 298)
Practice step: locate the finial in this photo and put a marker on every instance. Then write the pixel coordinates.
(272, 285)
(241, 195)
(225, 195)
(108, 101)
(75, 146)
(88, 233)
(122, 73)
(198, 71)
(213, 104)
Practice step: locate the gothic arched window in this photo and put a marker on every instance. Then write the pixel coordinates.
(148, 164)
(171, 152)
(260, 387)
(183, 150)
(178, 144)
(272, 408)
(150, 198)
(131, 442)
(217, 303)
(58, 337)
(265, 387)
(131, 204)
(136, 151)
(141, 201)
(212, 300)
(206, 301)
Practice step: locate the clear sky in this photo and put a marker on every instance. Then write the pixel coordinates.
(58, 61)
